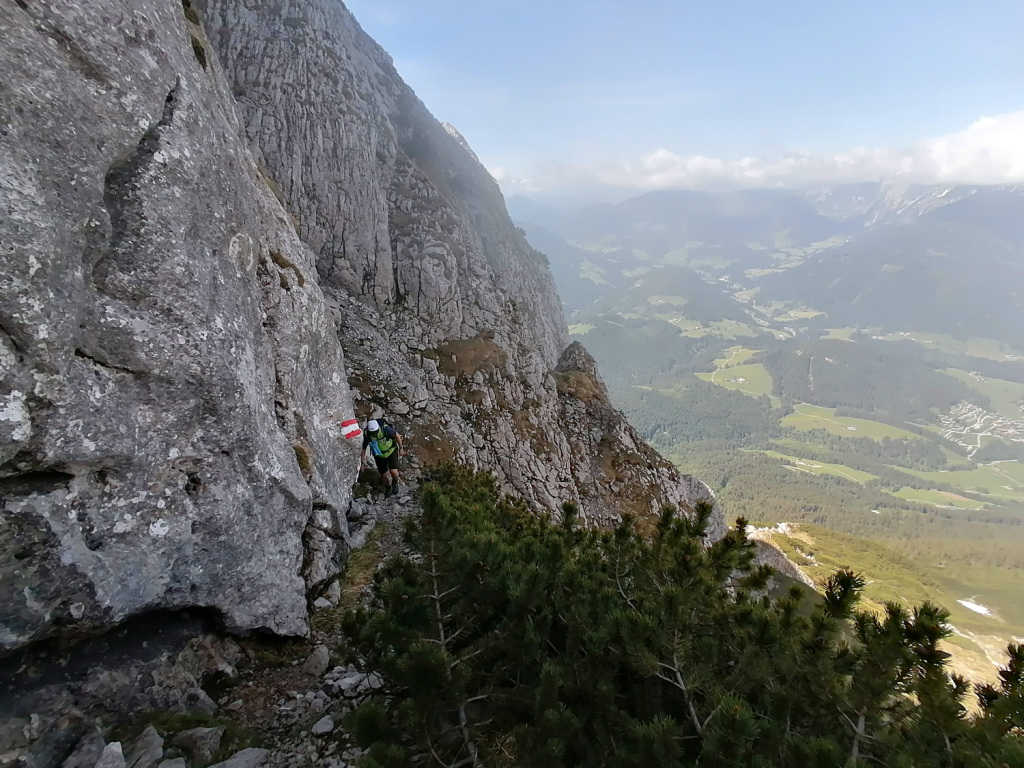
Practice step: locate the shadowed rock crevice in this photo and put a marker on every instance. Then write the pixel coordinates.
(121, 188)
(141, 644)
(40, 481)
(93, 359)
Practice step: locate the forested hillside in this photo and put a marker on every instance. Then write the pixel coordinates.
(837, 374)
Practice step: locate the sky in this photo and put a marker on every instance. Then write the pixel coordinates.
(565, 95)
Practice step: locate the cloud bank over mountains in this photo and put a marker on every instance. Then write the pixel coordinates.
(989, 151)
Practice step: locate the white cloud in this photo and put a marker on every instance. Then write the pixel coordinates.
(989, 151)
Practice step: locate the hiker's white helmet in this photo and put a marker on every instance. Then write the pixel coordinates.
(372, 425)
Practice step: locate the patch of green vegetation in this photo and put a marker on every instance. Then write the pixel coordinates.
(891, 576)
(999, 589)
(358, 575)
(200, 51)
(190, 12)
(751, 379)
(270, 652)
(659, 300)
(581, 329)
(821, 468)
(798, 314)
(1000, 480)
(593, 273)
(736, 356)
(1006, 397)
(973, 346)
(843, 334)
(729, 329)
(938, 498)
(578, 384)
(753, 274)
(806, 416)
(678, 321)
(304, 457)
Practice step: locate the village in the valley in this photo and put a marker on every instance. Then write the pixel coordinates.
(966, 424)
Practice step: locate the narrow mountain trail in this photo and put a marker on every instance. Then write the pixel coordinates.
(280, 703)
(299, 703)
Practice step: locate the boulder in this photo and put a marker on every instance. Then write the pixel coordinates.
(317, 662)
(199, 744)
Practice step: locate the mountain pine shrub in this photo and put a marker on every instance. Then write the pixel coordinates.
(507, 639)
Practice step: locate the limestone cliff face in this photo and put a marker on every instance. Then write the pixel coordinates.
(457, 321)
(165, 436)
(395, 207)
(213, 225)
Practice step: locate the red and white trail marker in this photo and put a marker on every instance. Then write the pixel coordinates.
(350, 429)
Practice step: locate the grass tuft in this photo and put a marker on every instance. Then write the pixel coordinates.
(200, 51)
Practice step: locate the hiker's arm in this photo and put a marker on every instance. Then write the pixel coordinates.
(401, 445)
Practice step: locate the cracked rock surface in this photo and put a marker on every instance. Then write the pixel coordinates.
(164, 434)
(225, 227)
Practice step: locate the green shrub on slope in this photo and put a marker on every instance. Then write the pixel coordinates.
(507, 639)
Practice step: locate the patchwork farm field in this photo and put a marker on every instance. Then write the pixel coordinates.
(938, 498)
(806, 416)
(1001, 480)
(820, 468)
(750, 379)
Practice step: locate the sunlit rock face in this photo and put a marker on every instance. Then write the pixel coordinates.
(217, 218)
(169, 369)
(458, 327)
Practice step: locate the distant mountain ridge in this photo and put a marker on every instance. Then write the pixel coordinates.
(896, 257)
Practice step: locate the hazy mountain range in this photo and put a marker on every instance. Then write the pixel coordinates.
(911, 258)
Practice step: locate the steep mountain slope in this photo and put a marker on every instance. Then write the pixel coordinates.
(165, 439)
(447, 290)
(182, 274)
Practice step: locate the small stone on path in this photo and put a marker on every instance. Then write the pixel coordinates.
(318, 662)
(112, 757)
(324, 725)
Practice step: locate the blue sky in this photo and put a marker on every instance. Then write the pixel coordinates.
(656, 93)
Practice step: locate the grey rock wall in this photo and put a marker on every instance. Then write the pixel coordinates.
(449, 318)
(170, 380)
(213, 224)
(397, 210)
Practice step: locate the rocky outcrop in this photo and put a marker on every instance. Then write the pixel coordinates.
(225, 228)
(614, 471)
(171, 380)
(204, 205)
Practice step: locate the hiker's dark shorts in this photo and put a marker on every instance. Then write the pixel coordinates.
(384, 464)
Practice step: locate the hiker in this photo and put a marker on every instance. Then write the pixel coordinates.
(385, 446)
